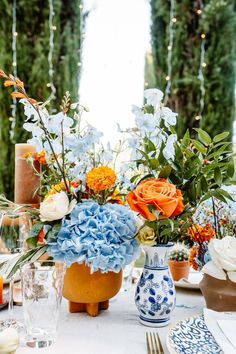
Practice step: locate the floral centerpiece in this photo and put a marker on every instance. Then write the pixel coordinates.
(213, 252)
(171, 177)
(82, 218)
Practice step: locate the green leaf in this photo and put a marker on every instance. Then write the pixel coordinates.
(217, 176)
(204, 184)
(145, 155)
(35, 230)
(153, 163)
(32, 241)
(199, 146)
(149, 144)
(186, 139)
(133, 179)
(203, 136)
(225, 193)
(230, 168)
(220, 137)
(165, 172)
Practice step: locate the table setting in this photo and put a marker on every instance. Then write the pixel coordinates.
(79, 223)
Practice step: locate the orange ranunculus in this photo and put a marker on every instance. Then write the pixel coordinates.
(193, 254)
(200, 234)
(160, 194)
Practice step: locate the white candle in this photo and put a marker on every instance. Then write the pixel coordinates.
(9, 341)
(26, 181)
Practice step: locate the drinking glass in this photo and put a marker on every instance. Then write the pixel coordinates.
(14, 230)
(42, 283)
(127, 277)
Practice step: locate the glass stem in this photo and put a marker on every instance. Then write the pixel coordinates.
(10, 304)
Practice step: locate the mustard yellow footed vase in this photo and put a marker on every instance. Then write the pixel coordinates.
(88, 292)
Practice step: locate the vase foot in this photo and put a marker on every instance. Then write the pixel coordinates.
(154, 323)
(92, 309)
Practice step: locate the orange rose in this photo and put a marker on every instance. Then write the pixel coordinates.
(160, 194)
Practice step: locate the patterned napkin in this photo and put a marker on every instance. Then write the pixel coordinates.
(222, 326)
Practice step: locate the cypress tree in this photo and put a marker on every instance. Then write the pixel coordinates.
(218, 22)
(33, 67)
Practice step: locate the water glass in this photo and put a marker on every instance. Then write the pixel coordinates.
(127, 277)
(42, 283)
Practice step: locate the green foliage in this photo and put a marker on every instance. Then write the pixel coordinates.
(218, 22)
(32, 54)
(199, 169)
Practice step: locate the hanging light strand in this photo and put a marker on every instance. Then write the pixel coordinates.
(81, 8)
(14, 70)
(201, 79)
(202, 65)
(52, 28)
(170, 50)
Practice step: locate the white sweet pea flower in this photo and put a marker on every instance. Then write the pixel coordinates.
(169, 149)
(29, 111)
(37, 143)
(153, 96)
(55, 122)
(55, 207)
(146, 122)
(56, 144)
(36, 131)
(223, 259)
(168, 116)
(137, 111)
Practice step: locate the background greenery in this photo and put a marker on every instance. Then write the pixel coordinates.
(218, 22)
(32, 58)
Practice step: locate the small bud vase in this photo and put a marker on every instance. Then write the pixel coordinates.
(155, 293)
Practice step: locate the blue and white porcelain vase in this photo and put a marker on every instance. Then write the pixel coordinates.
(155, 293)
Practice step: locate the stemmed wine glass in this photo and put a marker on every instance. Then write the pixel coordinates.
(14, 230)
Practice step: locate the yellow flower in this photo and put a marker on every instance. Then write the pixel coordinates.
(56, 188)
(146, 236)
(115, 198)
(100, 178)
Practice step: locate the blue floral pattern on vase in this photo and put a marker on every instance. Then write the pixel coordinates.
(155, 293)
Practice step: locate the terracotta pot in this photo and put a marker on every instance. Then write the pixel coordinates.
(89, 292)
(220, 295)
(179, 269)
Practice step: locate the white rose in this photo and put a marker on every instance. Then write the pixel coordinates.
(55, 207)
(223, 255)
(9, 341)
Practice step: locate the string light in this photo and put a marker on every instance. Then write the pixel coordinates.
(82, 37)
(170, 48)
(52, 28)
(202, 65)
(14, 66)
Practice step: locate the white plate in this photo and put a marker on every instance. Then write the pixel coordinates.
(191, 336)
(192, 282)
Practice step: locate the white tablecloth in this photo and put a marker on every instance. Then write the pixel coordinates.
(115, 331)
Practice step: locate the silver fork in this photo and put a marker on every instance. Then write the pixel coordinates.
(153, 343)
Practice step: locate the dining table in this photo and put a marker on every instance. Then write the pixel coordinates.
(116, 330)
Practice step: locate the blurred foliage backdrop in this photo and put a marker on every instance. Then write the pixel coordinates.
(32, 65)
(218, 22)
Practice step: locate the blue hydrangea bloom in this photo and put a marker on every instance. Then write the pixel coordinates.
(102, 236)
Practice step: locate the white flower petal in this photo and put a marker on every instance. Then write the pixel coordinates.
(211, 269)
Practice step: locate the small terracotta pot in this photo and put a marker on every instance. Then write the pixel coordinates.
(179, 269)
(220, 295)
(88, 292)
